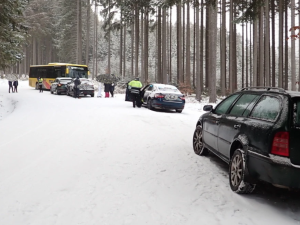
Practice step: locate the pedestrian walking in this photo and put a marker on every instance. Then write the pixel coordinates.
(15, 84)
(134, 87)
(107, 89)
(112, 89)
(77, 82)
(99, 95)
(40, 82)
(10, 86)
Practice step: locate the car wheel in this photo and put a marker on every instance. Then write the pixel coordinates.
(237, 167)
(51, 91)
(198, 146)
(92, 95)
(179, 110)
(149, 103)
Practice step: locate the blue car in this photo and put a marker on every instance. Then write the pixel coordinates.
(162, 96)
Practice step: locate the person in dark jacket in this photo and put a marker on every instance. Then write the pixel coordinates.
(77, 82)
(15, 84)
(10, 86)
(107, 89)
(112, 89)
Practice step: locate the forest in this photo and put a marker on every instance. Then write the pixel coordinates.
(202, 46)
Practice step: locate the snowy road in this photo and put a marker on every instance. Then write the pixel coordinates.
(91, 161)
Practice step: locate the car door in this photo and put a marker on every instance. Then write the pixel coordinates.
(54, 85)
(211, 122)
(147, 92)
(232, 123)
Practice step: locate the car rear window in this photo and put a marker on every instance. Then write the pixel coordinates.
(267, 108)
(243, 104)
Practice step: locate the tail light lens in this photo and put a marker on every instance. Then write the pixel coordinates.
(159, 96)
(182, 97)
(59, 85)
(280, 145)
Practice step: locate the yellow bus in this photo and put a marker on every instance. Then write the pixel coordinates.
(53, 70)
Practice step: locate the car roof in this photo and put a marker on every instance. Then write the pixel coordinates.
(274, 90)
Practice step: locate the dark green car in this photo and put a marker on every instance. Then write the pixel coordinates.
(257, 132)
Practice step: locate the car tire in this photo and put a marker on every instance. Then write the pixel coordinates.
(51, 91)
(198, 146)
(179, 110)
(237, 167)
(92, 95)
(149, 104)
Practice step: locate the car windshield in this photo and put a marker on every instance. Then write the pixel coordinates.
(168, 88)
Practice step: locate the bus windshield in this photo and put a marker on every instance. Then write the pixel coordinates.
(80, 72)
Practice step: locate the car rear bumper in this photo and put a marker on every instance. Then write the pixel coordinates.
(276, 170)
(167, 105)
(61, 90)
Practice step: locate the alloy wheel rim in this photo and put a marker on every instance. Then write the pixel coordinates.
(198, 145)
(236, 170)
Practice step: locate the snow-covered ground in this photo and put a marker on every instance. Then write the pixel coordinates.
(91, 161)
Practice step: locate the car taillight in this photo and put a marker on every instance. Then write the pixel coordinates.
(280, 145)
(59, 85)
(159, 96)
(182, 97)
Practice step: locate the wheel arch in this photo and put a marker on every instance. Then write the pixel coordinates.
(241, 142)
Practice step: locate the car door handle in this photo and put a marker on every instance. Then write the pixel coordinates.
(237, 126)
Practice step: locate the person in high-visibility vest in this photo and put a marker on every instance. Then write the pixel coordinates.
(134, 87)
(40, 81)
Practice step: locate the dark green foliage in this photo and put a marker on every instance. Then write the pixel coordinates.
(12, 31)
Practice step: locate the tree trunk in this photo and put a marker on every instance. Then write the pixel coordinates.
(87, 32)
(198, 84)
(280, 43)
(293, 62)
(188, 47)
(261, 48)
(212, 51)
(137, 40)
(267, 44)
(79, 33)
(223, 49)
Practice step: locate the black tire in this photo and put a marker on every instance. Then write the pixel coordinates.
(149, 104)
(237, 167)
(198, 146)
(179, 110)
(51, 91)
(92, 95)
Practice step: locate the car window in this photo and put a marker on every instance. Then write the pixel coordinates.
(267, 108)
(225, 104)
(150, 88)
(242, 104)
(168, 88)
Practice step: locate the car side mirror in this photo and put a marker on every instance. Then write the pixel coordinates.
(208, 108)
